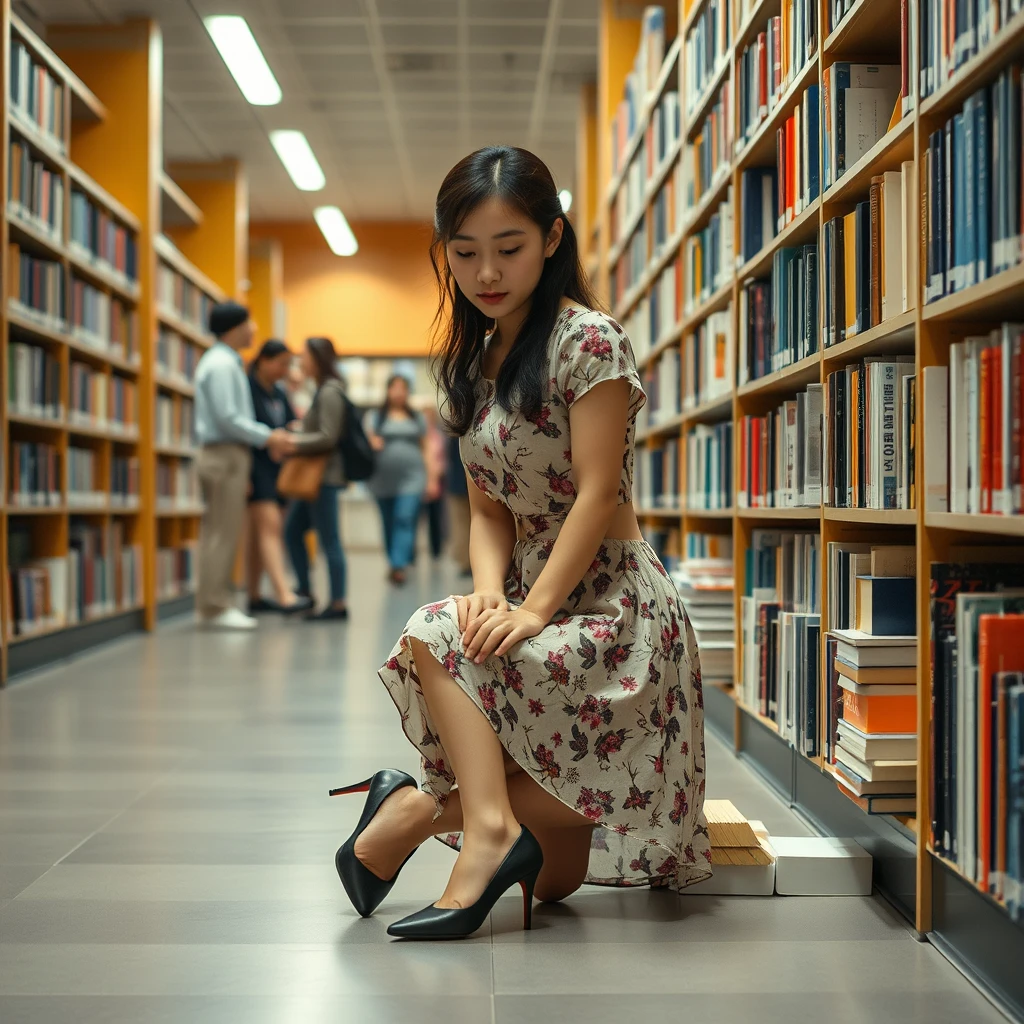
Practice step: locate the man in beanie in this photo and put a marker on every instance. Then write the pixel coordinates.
(227, 430)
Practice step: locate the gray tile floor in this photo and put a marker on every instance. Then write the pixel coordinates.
(166, 855)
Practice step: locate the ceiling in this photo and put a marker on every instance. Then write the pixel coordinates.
(390, 93)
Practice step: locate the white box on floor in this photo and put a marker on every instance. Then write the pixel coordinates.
(821, 866)
(739, 880)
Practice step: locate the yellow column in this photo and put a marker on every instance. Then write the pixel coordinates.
(219, 246)
(266, 289)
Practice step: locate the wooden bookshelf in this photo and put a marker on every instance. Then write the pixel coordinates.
(104, 149)
(870, 32)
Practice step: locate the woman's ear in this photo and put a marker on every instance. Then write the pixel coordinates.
(554, 238)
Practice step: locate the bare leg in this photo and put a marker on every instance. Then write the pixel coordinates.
(406, 819)
(252, 547)
(269, 528)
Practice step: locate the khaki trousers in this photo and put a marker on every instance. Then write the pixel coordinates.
(458, 540)
(224, 479)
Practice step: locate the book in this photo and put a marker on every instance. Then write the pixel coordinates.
(865, 787)
(886, 605)
(882, 746)
(882, 677)
(881, 770)
(875, 715)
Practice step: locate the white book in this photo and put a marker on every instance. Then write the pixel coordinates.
(935, 428)
(975, 346)
(894, 259)
(866, 119)
(1002, 489)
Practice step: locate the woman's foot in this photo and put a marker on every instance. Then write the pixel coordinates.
(294, 603)
(397, 576)
(395, 831)
(260, 604)
(483, 850)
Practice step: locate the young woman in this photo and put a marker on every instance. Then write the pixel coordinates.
(266, 516)
(320, 432)
(558, 707)
(397, 434)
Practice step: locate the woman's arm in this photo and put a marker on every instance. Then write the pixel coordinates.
(330, 408)
(597, 426)
(492, 536)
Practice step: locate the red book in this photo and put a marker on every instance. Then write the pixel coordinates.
(762, 76)
(755, 446)
(790, 168)
(985, 428)
(999, 650)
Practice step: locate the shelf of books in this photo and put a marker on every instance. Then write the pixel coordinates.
(102, 325)
(816, 248)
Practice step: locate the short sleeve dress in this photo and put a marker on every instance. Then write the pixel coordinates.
(604, 707)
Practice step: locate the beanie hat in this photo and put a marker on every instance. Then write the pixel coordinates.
(227, 315)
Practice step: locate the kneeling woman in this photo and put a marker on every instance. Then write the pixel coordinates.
(558, 707)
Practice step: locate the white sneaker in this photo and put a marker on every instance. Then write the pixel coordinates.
(231, 618)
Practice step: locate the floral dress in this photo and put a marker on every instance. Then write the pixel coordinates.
(603, 707)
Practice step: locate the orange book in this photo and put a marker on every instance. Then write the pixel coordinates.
(999, 650)
(880, 714)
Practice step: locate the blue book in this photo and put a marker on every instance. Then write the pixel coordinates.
(963, 216)
(982, 193)
(813, 135)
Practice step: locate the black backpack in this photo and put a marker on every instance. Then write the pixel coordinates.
(356, 453)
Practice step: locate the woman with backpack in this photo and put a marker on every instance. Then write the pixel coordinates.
(398, 435)
(323, 432)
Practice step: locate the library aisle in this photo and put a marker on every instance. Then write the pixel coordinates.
(166, 855)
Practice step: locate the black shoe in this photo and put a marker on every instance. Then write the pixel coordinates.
(521, 866)
(303, 604)
(261, 604)
(364, 888)
(327, 614)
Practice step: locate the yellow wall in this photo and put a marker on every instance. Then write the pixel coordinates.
(379, 302)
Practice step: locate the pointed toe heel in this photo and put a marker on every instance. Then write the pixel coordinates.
(365, 890)
(521, 866)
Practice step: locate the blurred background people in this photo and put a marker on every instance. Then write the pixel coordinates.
(227, 431)
(457, 485)
(320, 432)
(398, 435)
(266, 507)
(435, 456)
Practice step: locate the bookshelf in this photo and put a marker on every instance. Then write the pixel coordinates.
(102, 322)
(627, 273)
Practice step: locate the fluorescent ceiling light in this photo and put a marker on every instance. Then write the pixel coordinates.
(565, 198)
(234, 39)
(298, 159)
(336, 230)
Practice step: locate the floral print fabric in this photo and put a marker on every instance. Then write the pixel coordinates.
(604, 707)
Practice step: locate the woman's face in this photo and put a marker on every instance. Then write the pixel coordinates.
(307, 363)
(398, 393)
(276, 369)
(497, 257)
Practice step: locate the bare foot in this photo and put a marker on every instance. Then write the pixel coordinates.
(395, 831)
(481, 856)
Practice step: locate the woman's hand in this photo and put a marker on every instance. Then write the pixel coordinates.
(473, 605)
(376, 442)
(497, 630)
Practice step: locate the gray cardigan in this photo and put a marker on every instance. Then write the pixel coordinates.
(321, 430)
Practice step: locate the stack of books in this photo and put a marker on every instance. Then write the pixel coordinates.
(873, 735)
(706, 588)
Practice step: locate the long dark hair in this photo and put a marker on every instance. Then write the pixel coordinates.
(382, 415)
(325, 358)
(523, 182)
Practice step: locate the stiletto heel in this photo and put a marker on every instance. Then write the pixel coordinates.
(364, 888)
(359, 787)
(521, 866)
(528, 885)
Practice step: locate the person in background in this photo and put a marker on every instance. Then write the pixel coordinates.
(397, 434)
(458, 508)
(433, 496)
(266, 506)
(320, 432)
(227, 430)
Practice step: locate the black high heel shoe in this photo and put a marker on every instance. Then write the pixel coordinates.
(521, 866)
(364, 888)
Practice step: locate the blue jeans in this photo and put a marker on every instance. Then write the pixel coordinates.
(321, 515)
(400, 515)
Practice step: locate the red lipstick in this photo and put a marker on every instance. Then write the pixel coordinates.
(492, 298)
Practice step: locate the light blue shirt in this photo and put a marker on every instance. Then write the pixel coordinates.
(224, 411)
